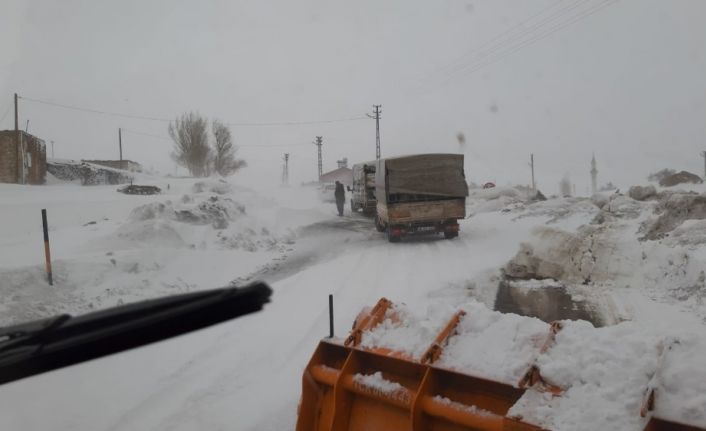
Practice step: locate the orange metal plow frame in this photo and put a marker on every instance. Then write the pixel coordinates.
(337, 394)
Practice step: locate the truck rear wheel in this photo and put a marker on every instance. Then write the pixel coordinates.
(448, 234)
(378, 224)
(390, 237)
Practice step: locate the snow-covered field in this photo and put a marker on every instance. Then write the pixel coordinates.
(636, 266)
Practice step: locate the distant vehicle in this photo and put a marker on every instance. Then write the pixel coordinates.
(363, 190)
(423, 193)
(326, 192)
(489, 185)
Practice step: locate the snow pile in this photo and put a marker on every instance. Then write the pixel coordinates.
(494, 345)
(404, 332)
(673, 210)
(378, 382)
(656, 246)
(496, 199)
(641, 193)
(463, 407)
(558, 209)
(604, 373)
(559, 255)
(681, 382)
(691, 233)
(155, 233)
(532, 284)
(250, 240)
(221, 187)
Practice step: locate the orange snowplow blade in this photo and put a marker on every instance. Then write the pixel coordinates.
(423, 397)
(349, 388)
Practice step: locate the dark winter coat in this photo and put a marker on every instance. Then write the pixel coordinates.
(340, 193)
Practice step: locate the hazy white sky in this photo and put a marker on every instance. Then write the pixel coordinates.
(626, 82)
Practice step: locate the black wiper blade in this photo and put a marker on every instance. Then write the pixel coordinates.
(48, 344)
(21, 336)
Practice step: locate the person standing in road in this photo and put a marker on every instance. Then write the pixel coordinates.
(340, 194)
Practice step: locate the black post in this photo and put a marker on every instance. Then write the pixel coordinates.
(47, 255)
(330, 315)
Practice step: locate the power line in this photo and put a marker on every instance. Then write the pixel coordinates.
(539, 31)
(146, 118)
(536, 33)
(297, 123)
(491, 41)
(534, 28)
(512, 50)
(94, 111)
(165, 138)
(135, 132)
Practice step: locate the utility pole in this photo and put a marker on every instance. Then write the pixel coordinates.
(319, 143)
(534, 186)
(376, 116)
(285, 172)
(120, 142)
(17, 118)
(20, 145)
(20, 165)
(703, 154)
(27, 127)
(594, 176)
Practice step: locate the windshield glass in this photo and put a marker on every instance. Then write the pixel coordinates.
(459, 175)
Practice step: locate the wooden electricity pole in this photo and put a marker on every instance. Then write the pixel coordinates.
(376, 116)
(534, 186)
(17, 117)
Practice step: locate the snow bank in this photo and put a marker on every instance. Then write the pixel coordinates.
(673, 210)
(221, 187)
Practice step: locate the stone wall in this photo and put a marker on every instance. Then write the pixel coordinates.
(35, 158)
(8, 157)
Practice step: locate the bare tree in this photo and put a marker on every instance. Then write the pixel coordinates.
(224, 161)
(191, 150)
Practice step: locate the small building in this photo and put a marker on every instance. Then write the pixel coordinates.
(125, 165)
(23, 158)
(343, 174)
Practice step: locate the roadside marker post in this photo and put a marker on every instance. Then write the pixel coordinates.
(330, 315)
(47, 255)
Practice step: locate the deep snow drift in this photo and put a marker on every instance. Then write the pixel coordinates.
(111, 248)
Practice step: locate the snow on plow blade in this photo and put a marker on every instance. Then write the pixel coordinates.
(347, 386)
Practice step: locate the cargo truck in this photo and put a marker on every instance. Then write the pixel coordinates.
(363, 189)
(424, 193)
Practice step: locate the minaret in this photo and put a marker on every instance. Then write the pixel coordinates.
(594, 174)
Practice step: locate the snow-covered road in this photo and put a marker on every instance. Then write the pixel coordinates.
(245, 374)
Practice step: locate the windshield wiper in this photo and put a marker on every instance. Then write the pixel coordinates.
(37, 347)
